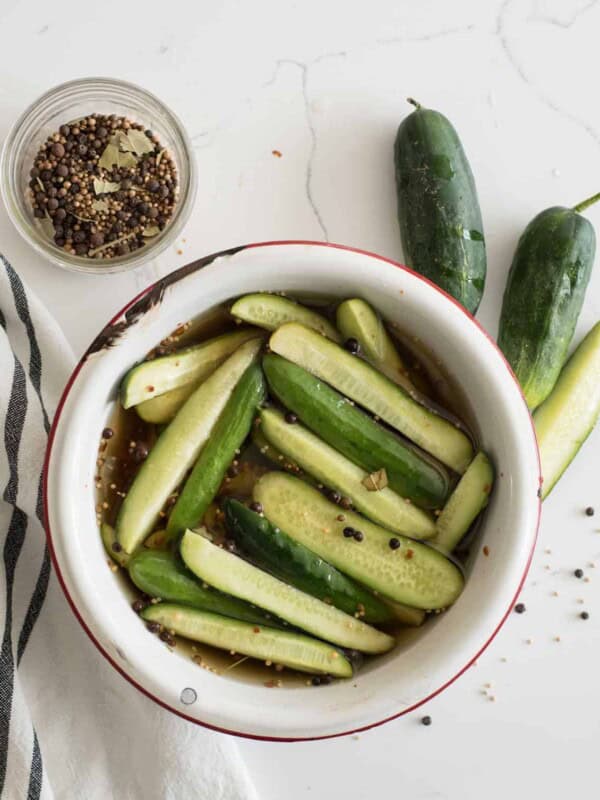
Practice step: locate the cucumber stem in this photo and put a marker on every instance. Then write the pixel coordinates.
(587, 203)
(413, 102)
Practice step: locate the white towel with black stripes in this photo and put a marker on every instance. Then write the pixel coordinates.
(70, 727)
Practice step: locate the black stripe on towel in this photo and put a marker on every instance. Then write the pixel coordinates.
(36, 774)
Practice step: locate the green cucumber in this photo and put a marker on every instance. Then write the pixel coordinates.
(438, 209)
(361, 382)
(469, 498)
(227, 437)
(293, 650)
(414, 574)
(178, 447)
(356, 435)
(270, 311)
(568, 415)
(544, 295)
(231, 574)
(164, 576)
(358, 320)
(153, 378)
(112, 546)
(325, 464)
(406, 615)
(271, 549)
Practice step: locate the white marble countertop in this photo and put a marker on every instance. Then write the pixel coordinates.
(325, 83)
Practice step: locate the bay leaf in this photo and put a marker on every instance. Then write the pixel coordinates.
(105, 187)
(151, 230)
(376, 481)
(127, 160)
(109, 157)
(100, 205)
(136, 142)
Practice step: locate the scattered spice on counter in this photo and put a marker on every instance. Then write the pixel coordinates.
(584, 615)
(426, 720)
(589, 512)
(276, 153)
(520, 608)
(578, 573)
(486, 550)
(103, 186)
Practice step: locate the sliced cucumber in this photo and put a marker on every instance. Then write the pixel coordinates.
(163, 575)
(271, 310)
(153, 378)
(112, 546)
(178, 447)
(160, 410)
(567, 417)
(468, 499)
(231, 574)
(357, 320)
(414, 574)
(336, 471)
(228, 435)
(368, 387)
(271, 549)
(356, 435)
(281, 647)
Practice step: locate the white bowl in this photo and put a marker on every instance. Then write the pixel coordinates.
(431, 658)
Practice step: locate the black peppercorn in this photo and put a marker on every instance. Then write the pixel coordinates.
(348, 532)
(352, 345)
(426, 720)
(394, 543)
(589, 511)
(578, 573)
(107, 433)
(358, 536)
(335, 497)
(139, 605)
(584, 615)
(256, 507)
(291, 418)
(520, 608)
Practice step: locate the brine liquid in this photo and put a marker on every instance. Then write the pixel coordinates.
(119, 461)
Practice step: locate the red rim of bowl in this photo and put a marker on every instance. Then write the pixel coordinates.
(138, 686)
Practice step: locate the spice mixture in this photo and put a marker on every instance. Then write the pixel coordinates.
(103, 186)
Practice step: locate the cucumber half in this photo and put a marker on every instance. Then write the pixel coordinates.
(334, 470)
(271, 549)
(153, 378)
(567, 417)
(281, 647)
(161, 409)
(228, 435)
(355, 434)
(375, 392)
(358, 320)
(464, 504)
(414, 574)
(178, 447)
(270, 311)
(233, 575)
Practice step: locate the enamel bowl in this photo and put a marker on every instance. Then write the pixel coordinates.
(430, 658)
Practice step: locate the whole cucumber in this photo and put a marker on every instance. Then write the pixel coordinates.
(543, 297)
(438, 210)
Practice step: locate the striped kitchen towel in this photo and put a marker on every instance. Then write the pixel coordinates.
(70, 727)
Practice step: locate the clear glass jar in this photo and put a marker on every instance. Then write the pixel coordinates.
(71, 101)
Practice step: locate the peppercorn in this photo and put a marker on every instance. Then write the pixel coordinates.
(348, 532)
(346, 503)
(140, 452)
(334, 496)
(352, 345)
(316, 680)
(426, 720)
(589, 511)
(394, 543)
(139, 605)
(359, 536)
(578, 573)
(520, 608)
(116, 547)
(584, 615)
(153, 627)
(291, 418)
(256, 507)
(107, 433)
